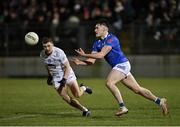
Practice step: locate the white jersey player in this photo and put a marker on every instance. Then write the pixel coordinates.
(55, 64)
(61, 75)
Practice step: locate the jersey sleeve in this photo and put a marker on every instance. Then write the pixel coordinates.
(63, 57)
(41, 55)
(94, 48)
(110, 42)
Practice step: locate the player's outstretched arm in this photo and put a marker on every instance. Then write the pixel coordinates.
(67, 69)
(77, 61)
(95, 55)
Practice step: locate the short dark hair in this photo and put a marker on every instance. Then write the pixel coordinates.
(103, 22)
(46, 40)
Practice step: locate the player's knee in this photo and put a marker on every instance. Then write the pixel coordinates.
(77, 95)
(108, 84)
(62, 95)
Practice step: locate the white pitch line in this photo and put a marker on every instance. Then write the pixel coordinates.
(18, 117)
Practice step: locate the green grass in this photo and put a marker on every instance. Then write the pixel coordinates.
(32, 102)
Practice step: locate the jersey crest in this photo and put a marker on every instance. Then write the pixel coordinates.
(109, 40)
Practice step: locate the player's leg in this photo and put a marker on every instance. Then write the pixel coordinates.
(75, 89)
(78, 91)
(63, 92)
(112, 79)
(131, 83)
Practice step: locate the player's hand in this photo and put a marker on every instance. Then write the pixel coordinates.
(76, 61)
(80, 51)
(63, 82)
(49, 80)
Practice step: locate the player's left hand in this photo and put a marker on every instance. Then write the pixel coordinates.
(63, 82)
(80, 51)
(49, 80)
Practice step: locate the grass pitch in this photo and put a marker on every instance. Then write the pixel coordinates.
(31, 102)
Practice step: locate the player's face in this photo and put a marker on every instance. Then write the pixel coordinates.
(100, 30)
(48, 47)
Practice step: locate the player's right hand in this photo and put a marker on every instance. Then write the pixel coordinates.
(49, 80)
(75, 61)
(80, 51)
(63, 82)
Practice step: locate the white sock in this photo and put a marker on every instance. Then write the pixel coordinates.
(85, 109)
(84, 88)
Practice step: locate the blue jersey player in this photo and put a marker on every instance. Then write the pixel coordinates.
(108, 46)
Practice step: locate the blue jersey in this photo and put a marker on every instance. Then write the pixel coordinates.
(115, 55)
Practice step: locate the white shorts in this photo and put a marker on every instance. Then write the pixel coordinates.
(123, 67)
(70, 78)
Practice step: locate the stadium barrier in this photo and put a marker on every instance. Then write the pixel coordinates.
(142, 65)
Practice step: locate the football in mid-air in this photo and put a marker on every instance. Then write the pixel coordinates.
(31, 38)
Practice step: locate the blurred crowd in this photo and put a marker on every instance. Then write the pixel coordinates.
(153, 13)
(55, 11)
(152, 26)
(164, 18)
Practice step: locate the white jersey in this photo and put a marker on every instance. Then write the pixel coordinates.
(55, 63)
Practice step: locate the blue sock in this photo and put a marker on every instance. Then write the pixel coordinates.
(157, 101)
(121, 105)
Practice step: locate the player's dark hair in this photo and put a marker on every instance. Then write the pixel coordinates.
(103, 22)
(46, 40)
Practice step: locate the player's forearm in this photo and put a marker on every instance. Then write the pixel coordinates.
(66, 72)
(48, 71)
(87, 62)
(84, 62)
(98, 55)
(67, 69)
